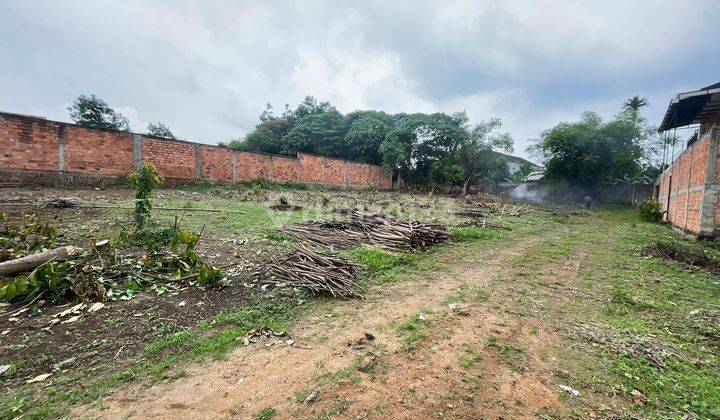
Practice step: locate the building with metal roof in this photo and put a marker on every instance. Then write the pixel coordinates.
(689, 187)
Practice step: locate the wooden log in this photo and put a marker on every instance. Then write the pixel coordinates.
(31, 262)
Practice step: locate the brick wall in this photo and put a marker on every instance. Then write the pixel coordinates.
(35, 150)
(690, 186)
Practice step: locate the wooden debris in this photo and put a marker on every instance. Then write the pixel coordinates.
(31, 262)
(373, 229)
(319, 273)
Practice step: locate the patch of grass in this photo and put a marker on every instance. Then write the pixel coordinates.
(471, 234)
(411, 332)
(469, 358)
(513, 355)
(635, 295)
(266, 413)
(466, 292)
(384, 266)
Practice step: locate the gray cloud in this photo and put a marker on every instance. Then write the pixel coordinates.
(207, 69)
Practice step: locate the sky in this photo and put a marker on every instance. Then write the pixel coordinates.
(207, 68)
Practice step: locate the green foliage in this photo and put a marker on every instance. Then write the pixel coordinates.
(650, 211)
(27, 237)
(521, 174)
(266, 413)
(422, 148)
(160, 130)
(319, 133)
(144, 180)
(91, 111)
(477, 157)
(90, 277)
(591, 151)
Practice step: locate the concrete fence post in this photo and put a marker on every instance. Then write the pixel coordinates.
(198, 163)
(233, 164)
(708, 207)
(137, 150)
(61, 147)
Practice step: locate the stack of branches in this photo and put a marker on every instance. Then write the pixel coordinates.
(646, 346)
(374, 229)
(330, 233)
(483, 223)
(319, 273)
(480, 209)
(684, 252)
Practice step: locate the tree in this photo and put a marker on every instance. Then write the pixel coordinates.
(91, 111)
(160, 130)
(262, 140)
(367, 130)
(319, 133)
(422, 147)
(635, 103)
(590, 151)
(477, 157)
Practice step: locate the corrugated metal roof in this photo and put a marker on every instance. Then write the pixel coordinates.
(692, 107)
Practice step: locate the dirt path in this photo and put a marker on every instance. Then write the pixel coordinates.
(493, 359)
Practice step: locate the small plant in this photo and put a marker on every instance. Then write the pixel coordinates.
(283, 200)
(650, 211)
(144, 180)
(266, 413)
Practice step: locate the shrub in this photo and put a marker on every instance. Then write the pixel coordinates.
(650, 211)
(144, 180)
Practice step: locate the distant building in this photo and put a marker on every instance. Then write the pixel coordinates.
(515, 163)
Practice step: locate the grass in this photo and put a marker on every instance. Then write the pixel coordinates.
(266, 413)
(166, 356)
(469, 358)
(411, 331)
(637, 296)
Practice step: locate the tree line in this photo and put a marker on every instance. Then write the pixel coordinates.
(438, 148)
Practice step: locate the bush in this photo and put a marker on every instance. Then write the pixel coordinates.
(650, 211)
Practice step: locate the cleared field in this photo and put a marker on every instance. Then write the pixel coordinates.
(491, 323)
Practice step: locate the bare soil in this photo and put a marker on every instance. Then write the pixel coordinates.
(511, 375)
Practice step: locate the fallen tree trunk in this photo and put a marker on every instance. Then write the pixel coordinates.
(31, 262)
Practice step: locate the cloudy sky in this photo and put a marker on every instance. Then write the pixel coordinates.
(207, 68)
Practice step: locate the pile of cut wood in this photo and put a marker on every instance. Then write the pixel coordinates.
(480, 209)
(373, 229)
(319, 273)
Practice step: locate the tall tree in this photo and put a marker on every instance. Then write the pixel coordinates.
(91, 111)
(423, 147)
(477, 157)
(160, 130)
(635, 103)
(367, 130)
(590, 151)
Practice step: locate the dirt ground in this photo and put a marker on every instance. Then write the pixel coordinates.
(482, 328)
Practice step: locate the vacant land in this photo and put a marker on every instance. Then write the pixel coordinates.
(547, 313)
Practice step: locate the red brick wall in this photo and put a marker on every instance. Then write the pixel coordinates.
(216, 164)
(33, 144)
(98, 152)
(173, 159)
(284, 169)
(251, 166)
(28, 144)
(311, 168)
(689, 174)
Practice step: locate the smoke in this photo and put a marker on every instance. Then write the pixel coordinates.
(521, 192)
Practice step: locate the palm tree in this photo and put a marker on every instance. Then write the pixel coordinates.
(635, 103)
